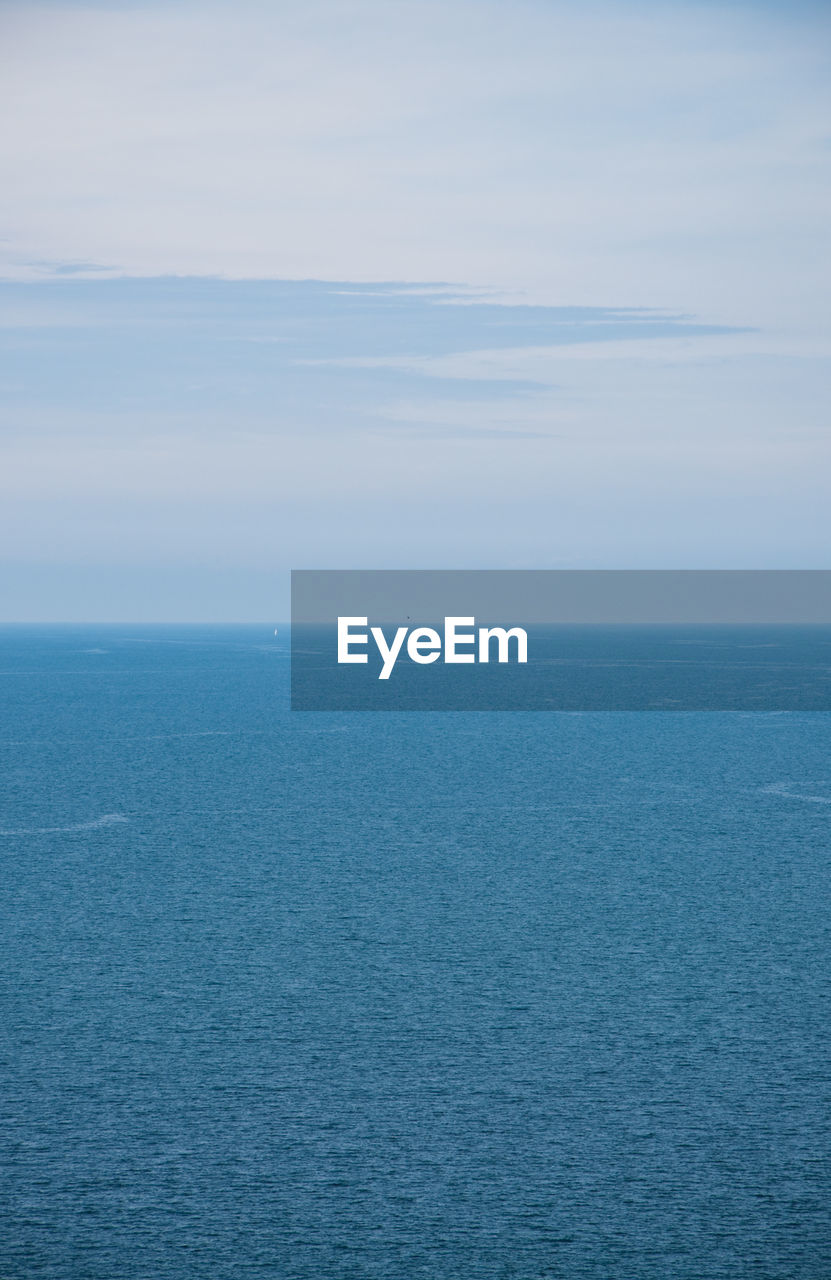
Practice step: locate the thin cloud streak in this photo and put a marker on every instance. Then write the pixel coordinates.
(646, 153)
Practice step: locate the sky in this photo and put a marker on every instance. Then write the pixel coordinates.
(390, 284)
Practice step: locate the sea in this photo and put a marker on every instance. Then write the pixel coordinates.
(397, 995)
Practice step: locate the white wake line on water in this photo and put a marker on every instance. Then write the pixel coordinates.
(106, 820)
(201, 733)
(157, 737)
(778, 790)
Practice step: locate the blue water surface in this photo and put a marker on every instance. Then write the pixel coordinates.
(516, 996)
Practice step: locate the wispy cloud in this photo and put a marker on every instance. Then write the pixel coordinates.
(439, 281)
(268, 422)
(653, 153)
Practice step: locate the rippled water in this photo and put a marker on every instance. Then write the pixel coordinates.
(371, 996)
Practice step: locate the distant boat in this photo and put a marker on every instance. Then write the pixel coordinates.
(275, 631)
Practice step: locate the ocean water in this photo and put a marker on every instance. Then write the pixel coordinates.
(749, 667)
(316, 996)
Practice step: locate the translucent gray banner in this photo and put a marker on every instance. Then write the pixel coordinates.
(567, 640)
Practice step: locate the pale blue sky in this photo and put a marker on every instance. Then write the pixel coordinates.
(581, 313)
